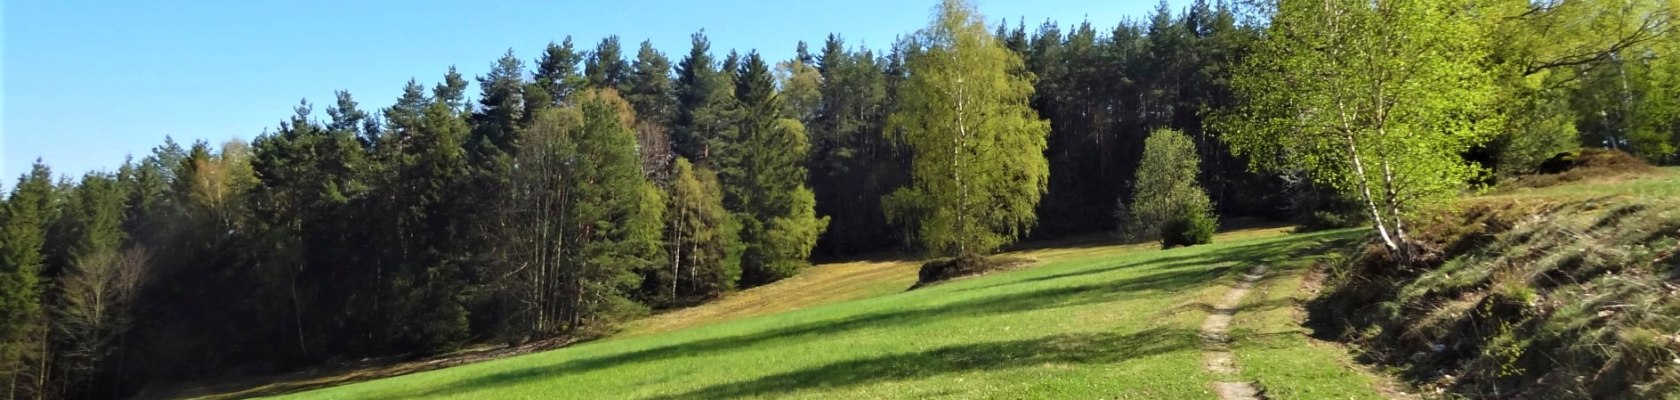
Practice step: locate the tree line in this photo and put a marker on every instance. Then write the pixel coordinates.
(584, 187)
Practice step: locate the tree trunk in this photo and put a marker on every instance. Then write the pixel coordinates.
(1370, 203)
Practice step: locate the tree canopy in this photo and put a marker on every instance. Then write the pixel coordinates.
(978, 168)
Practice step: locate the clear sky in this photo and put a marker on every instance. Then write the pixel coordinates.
(85, 83)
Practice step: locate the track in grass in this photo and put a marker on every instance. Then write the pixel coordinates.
(1092, 322)
(1216, 340)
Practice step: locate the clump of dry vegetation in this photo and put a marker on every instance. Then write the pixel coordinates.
(1524, 298)
(1581, 165)
(945, 269)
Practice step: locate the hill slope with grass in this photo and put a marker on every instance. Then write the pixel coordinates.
(1567, 291)
(1090, 321)
(1555, 287)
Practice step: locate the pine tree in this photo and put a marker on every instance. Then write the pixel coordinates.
(853, 163)
(610, 213)
(557, 72)
(605, 67)
(649, 89)
(452, 91)
(94, 285)
(501, 108)
(978, 166)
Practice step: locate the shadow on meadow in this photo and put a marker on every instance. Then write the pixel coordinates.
(1183, 270)
(1084, 348)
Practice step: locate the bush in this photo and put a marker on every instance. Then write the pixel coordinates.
(945, 269)
(1191, 224)
(1165, 186)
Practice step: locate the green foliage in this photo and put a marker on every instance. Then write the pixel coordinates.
(557, 75)
(429, 286)
(761, 165)
(613, 213)
(605, 67)
(1192, 223)
(501, 108)
(800, 85)
(853, 162)
(649, 89)
(1630, 104)
(1375, 100)
(1167, 201)
(23, 234)
(91, 219)
(978, 168)
(702, 238)
(703, 94)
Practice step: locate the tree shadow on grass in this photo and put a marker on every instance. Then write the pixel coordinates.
(1267, 250)
(1176, 273)
(1178, 278)
(1075, 348)
(1082, 348)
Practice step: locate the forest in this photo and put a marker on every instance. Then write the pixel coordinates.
(581, 186)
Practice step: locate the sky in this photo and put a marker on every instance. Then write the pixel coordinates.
(85, 83)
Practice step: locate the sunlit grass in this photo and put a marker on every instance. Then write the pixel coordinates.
(1093, 322)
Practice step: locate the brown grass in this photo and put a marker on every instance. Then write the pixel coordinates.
(821, 284)
(1584, 165)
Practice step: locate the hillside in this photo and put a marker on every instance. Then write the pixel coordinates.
(1566, 291)
(1109, 321)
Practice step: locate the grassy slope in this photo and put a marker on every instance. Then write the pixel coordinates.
(1097, 321)
(1559, 292)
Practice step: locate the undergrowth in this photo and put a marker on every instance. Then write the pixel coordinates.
(1523, 298)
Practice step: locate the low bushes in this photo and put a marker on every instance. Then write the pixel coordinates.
(945, 269)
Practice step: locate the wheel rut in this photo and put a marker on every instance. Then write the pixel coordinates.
(1216, 342)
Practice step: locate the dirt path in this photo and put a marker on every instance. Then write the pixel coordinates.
(1216, 340)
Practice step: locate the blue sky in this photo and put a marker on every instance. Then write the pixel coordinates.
(85, 83)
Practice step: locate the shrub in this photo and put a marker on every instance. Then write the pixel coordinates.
(1165, 185)
(945, 269)
(1191, 224)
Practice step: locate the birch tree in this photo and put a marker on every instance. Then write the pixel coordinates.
(1377, 99)
(977, 147)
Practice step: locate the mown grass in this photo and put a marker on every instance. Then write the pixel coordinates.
(1092, 322)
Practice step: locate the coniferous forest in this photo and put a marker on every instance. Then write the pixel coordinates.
(588, 183)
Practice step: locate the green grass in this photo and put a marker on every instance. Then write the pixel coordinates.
(1104, 322)
(1659, 184)
(1279, 352)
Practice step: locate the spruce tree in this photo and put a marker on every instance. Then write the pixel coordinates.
(23, 233)
(701, 97)
(761, 164)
